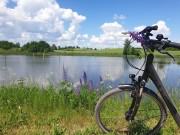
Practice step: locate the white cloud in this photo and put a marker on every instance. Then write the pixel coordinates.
(38, 20)
(111, 27)
(81, 40)
(162, 29)
(111, 36)
(121, 17)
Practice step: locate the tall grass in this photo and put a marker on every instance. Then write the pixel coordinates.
(27, 109)
(32, 106)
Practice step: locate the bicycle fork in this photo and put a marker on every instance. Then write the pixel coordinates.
(136, 98)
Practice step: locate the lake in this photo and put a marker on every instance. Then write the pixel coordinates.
(53, 69)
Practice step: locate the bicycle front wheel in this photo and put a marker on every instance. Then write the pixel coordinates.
(111, 109)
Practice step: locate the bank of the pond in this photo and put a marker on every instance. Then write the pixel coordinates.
(118, 52)
(113, 52)
(33, 110)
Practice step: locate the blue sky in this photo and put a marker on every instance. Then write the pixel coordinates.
(136, 13)
(86, 23)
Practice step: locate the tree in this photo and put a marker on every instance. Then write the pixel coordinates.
(129, 50)
(17, 45)
(7, 45)
(34, 46)
(127, 47)
(53, 47)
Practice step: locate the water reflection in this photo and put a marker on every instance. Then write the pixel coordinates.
(49, 70)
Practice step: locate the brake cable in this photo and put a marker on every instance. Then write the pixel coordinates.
(139, 69)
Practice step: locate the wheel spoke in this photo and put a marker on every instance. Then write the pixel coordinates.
(111, 110)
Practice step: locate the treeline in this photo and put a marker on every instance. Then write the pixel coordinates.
(8, 45)
(70, 48)
(35, 47)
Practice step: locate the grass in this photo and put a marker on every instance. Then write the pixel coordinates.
(103, 52)
(112, 52)
(32, 110)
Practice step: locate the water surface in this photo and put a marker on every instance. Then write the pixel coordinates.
(49, 70)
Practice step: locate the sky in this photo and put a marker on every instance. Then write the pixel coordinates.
(86, 23)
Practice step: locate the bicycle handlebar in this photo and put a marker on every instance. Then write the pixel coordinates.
(173, 44)
(166, 43)
(160, 44)
(148, 29)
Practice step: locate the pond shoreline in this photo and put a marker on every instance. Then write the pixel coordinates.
(117, 52)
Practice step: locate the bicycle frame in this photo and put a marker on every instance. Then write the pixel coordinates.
(151, 73)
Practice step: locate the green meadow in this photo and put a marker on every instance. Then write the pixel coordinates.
(111, 52)
(116, 52)
(27, 109)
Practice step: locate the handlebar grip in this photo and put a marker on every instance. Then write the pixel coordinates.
(155, 27)
(148, 29)
(173, 44)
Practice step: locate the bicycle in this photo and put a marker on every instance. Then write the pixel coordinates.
(133, 108)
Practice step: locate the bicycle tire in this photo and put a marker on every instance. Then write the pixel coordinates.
(136, 126)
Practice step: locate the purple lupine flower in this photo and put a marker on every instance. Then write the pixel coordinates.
(76, 91)
(92, 84)
(101, 80)
(88, 87)
(85, 78)
(80, 82)
(136, 36)
(64, 73)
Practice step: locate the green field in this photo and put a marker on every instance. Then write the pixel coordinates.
(43, 111)
(117, 52)
(107, 52)
(103, 52)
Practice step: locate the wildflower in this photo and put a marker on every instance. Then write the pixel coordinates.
(80, 82)
(110, 87)
(85, 78)
(64, 73)
(90, 85)
(108, 75)
(47, 76)
(76, 91)
(101, 80)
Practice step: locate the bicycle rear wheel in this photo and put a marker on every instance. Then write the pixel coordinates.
(111, 108)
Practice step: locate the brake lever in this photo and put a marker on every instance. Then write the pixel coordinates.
(167, 53)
